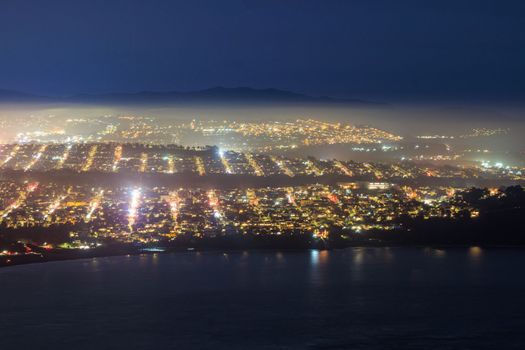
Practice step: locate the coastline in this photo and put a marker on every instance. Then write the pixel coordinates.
(79, 254)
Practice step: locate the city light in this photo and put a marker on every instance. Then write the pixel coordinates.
(143, 162)
(64, 157)
(225, 163)
(117, 157)
(133, 206)
(94, 204)
(35, 158)
(90, 158)
(200, 166)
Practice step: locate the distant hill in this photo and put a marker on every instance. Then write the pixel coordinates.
(213, 95)
(16, 96)
(216, 95)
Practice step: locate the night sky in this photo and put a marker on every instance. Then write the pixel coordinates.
(445, 49)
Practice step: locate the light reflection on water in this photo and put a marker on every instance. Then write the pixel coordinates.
(475, 253)
(319, 257)
(353, 298)
(436, 252)
(314, 257)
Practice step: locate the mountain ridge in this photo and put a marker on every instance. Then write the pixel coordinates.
(218, 94)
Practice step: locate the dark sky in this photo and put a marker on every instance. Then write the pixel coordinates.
(421, 49)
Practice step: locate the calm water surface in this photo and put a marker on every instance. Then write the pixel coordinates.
(360, 298)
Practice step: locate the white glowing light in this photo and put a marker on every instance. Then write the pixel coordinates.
(133, 206)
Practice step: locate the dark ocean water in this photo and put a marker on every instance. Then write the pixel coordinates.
(360, 298)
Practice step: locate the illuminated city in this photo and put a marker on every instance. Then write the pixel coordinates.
(153, 194)
(262, 175)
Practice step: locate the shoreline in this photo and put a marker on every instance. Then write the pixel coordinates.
(56, 256)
